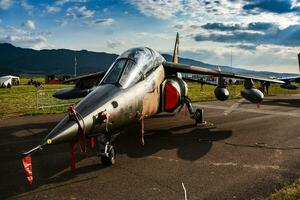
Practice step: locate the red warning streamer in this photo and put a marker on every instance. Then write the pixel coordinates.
(72, 113)
(28, 168)
(186, 110)
(92, 142)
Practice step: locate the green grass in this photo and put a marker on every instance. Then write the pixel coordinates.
(24, 81)
(21, 100)
(291, 192)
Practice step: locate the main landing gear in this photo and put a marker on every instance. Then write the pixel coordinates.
(196, 115)
(106, 151)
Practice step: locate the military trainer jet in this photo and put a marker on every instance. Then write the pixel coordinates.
(287, 80)
(139, 84)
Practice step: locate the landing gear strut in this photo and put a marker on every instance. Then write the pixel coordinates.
(196, 115)
(105, 150)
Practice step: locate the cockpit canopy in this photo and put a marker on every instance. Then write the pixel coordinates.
(132, 66)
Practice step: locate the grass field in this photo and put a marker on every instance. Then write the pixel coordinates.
(22, 99)
(291, 192)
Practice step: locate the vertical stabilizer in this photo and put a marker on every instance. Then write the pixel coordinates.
(176, 49)
(299, 61)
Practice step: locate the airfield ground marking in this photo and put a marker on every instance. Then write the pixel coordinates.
(267, 112)
(185, 195)
(229, 164)
(233, 107)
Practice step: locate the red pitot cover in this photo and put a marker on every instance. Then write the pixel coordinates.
(28, 168)
(92, 142)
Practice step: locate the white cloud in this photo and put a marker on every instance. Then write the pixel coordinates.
(24, 38)
(36, 42)
(6, 4)
(295, 3)
(264, 58)
(62, 2)
(62, 23)
(113, 44)
(79, 12)
(52, 9)
(29, 24)
(24, 4)
(162, 36)
(162, 9)
(108, 21)
(210, 11)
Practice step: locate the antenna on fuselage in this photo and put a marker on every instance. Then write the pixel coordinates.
(176, 49)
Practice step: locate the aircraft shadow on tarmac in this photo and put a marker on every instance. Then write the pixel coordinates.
(52, 164)
(191, 142)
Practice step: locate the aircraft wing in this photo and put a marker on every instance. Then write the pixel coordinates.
(199, 81)
(86, 77)
(84, 85)
(292, 78)
(176, 67)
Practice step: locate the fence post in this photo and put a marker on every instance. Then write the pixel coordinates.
(37, 104)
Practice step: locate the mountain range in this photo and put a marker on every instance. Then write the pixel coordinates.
(16, 60)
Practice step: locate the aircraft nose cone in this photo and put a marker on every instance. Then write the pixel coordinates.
(65, 131)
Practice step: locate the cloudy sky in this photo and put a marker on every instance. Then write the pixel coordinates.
(261, 34)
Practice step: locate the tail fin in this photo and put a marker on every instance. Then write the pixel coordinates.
(299, 60)
(176, 49)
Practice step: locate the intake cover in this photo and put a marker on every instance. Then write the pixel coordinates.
(171, 97)
(174, 90)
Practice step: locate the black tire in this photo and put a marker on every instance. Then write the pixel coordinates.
(110, 159)
(198, 116)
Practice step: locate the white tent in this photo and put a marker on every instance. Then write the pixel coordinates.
(9, 81)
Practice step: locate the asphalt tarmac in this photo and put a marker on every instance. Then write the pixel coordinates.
(242, 153)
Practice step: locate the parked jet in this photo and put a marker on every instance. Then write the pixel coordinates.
(287, 80)
(139, 84)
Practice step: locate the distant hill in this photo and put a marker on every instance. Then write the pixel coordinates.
(16, 60)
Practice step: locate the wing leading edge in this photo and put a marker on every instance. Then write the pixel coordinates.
(183, 68)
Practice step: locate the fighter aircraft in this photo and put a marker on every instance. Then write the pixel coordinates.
(287, 80)
(139, 84)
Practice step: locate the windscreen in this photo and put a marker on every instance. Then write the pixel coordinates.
(132, 66)
(115, 72)
(131, 75)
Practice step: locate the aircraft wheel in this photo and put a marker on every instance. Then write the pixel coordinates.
(198, 116)
(110, 159)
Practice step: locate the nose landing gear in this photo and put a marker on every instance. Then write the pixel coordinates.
(108, 157)
(196, 115)
(106, 151)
